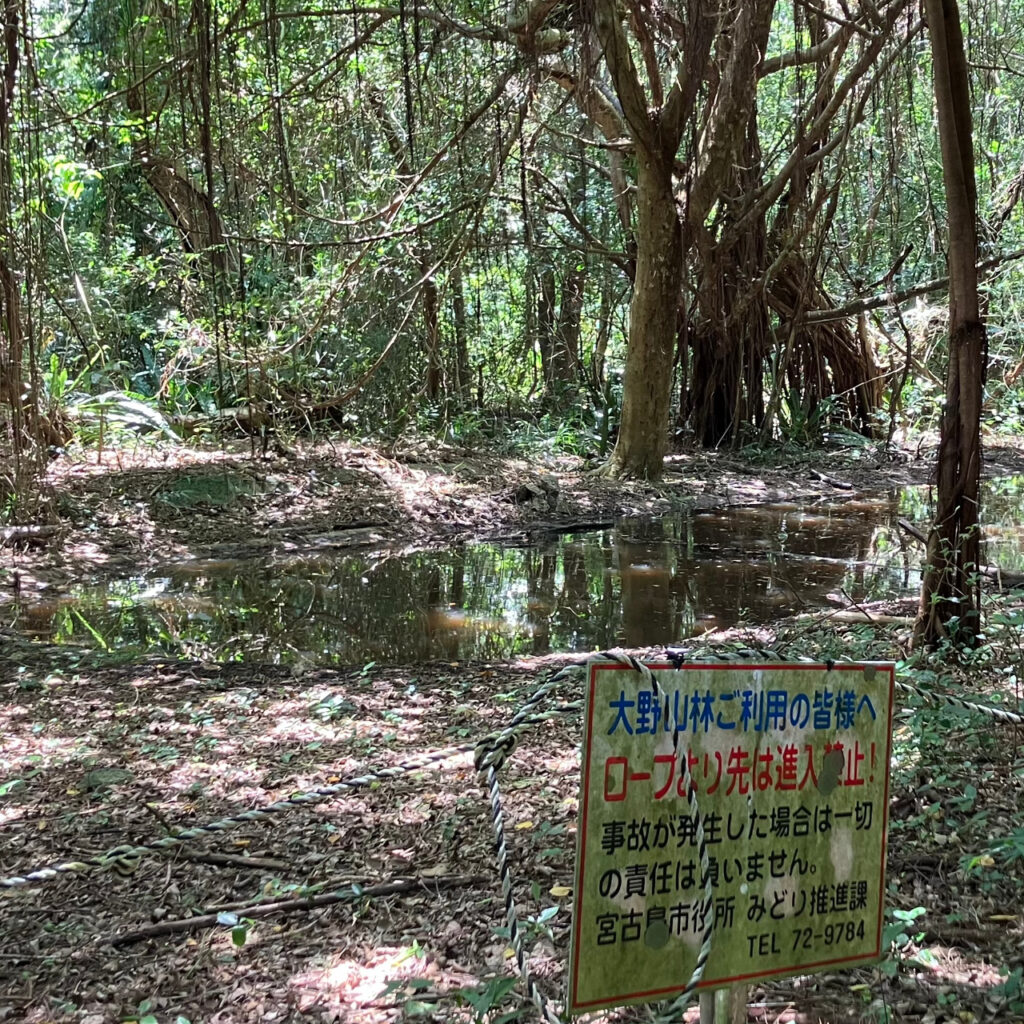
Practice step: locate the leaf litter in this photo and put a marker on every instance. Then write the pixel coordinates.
(384, 904)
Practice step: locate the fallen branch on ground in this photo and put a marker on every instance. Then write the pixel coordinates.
(233, 860)
(832, 481)
(27, 534)
(398, 885)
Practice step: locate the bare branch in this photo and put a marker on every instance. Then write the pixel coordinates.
(606, 116)
(690, 70)
(622, 69)
(890, 298)
(812, 55)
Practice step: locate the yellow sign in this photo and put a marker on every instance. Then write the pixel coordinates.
(790, 769)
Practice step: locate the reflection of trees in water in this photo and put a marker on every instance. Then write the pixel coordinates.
(645, 582)
(579, 602)
(572, 601)
(758, 563)
(763, 563)
(540, 596)
(644, 557)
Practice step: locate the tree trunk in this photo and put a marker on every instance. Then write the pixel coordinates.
(191, 210)
(731, 337)
(28, 429)
(566, 354)
(950, 592)
(431, 332)
(643, 433)
(546, 321)
(604, 330)
(463, 380)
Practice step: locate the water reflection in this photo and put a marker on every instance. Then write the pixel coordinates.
(644, 582)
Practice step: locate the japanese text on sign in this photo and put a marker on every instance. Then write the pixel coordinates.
(789, 765)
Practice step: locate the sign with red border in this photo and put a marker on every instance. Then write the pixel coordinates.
(790, 768)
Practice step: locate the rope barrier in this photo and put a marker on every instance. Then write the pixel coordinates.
(537, 997)
(489, 756)
(125, 858)
(999, 714)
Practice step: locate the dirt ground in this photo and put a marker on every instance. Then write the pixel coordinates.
(118, 513)
(408, 925)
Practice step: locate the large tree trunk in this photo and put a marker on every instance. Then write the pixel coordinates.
(192, 211)
(950, 591)
(731, 334)
(656, 122)
(643, 432)
(27, 428)
(546, 311)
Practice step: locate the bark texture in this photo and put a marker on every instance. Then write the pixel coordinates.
(950, 593)
(643, 435)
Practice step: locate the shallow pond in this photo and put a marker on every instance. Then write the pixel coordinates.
(641, 583)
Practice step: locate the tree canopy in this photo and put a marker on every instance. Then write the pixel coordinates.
(718, 220)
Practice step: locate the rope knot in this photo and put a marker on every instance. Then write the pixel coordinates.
(491, 751)
(121, 859)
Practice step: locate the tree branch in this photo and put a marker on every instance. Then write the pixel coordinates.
(690, 71)
(812, 55)
(869, 302)
(398, 885)
(623, 73)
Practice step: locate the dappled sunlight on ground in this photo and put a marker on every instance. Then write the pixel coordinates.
(35, 746)
(373, 986)
(204, 742)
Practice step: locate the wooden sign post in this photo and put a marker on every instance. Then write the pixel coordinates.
(790, 764)
(724, 1005)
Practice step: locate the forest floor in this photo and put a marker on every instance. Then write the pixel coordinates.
(223, 929)
(124, 511)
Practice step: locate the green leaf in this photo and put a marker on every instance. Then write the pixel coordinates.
(418, 1008)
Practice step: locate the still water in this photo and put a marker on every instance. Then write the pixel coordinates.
(640, 583)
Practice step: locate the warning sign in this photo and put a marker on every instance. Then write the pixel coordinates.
(790, 765)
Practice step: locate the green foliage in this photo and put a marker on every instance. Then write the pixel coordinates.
(272, 239)
(144, 1015)
(1012, 989)
(803, 422)
(899, 936)
(484, 1000)
(113, 414)
(1005, 855)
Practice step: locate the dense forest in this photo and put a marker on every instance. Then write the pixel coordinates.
(725, 222)
(619, 224)
(362, 364)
